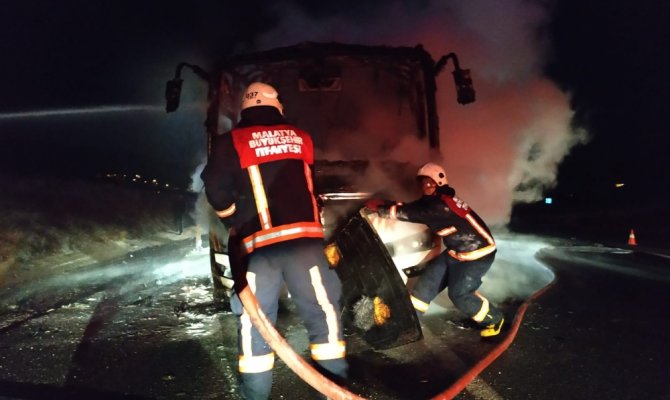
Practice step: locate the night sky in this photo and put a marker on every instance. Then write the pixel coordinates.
(613, 57)
(610, 57)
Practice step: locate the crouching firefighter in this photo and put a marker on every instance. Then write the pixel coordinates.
(259, 180)
(470, 248)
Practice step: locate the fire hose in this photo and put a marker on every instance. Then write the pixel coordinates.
(330, 389)
(297, 364)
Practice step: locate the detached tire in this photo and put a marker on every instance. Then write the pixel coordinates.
(371, 284)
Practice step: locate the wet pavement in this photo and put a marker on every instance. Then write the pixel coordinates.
(149, 327)
(600, 332)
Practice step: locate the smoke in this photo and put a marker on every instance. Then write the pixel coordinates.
(202, 214)
(505, 147)
(516, 274)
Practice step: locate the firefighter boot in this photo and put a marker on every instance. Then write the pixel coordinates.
(492, 329)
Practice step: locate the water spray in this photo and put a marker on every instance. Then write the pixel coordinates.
(80, 111)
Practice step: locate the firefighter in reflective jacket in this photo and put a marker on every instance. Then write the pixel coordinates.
(470, 248)
(259, 180)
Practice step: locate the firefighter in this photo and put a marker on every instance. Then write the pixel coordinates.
(470, 248)
(259, 180)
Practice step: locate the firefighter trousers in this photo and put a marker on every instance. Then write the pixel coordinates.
(315, 289)
(462, 278)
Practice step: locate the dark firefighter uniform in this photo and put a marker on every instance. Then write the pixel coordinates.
(259, 181)
(470, 250)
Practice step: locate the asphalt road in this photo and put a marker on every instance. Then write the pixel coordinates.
(148, 327)
(600, 332)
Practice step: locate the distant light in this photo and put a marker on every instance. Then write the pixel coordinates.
(618, 185)
(548, 200)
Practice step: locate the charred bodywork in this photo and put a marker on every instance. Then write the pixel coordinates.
(359, 103)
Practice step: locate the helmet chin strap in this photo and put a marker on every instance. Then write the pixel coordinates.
(445, 190)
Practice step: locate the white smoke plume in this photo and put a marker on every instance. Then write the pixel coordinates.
(507, 145)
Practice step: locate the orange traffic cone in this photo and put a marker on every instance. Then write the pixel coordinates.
(631, 238)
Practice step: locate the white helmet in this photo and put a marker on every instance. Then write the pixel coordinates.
(435, 172)
(261, 94)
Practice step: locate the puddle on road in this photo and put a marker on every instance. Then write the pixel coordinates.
(197, 311)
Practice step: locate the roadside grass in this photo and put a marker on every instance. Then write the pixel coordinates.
(42, 217)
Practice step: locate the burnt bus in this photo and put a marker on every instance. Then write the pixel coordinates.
(360, 104)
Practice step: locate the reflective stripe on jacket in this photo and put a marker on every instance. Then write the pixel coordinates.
(463, 232)
(259, 180)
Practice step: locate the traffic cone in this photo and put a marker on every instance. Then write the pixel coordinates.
(631, 238)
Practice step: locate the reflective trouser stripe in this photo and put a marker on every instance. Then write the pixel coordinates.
(248, 362)
(328, 351)
(481, 314)
(245, 320)
(327, 307)
(259, 196)
(255, 364)
(419, 305)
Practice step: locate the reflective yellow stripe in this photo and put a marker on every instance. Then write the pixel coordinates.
(446, 231)
(328, 351)
(419, 305)
(281, 233)
(259, 196)
(245, 321)
(479, 228)
(326, 305)
(481, 314)
(227, 212)
(473, 255)
(255, 364)
(479, 253)
(248, 363)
